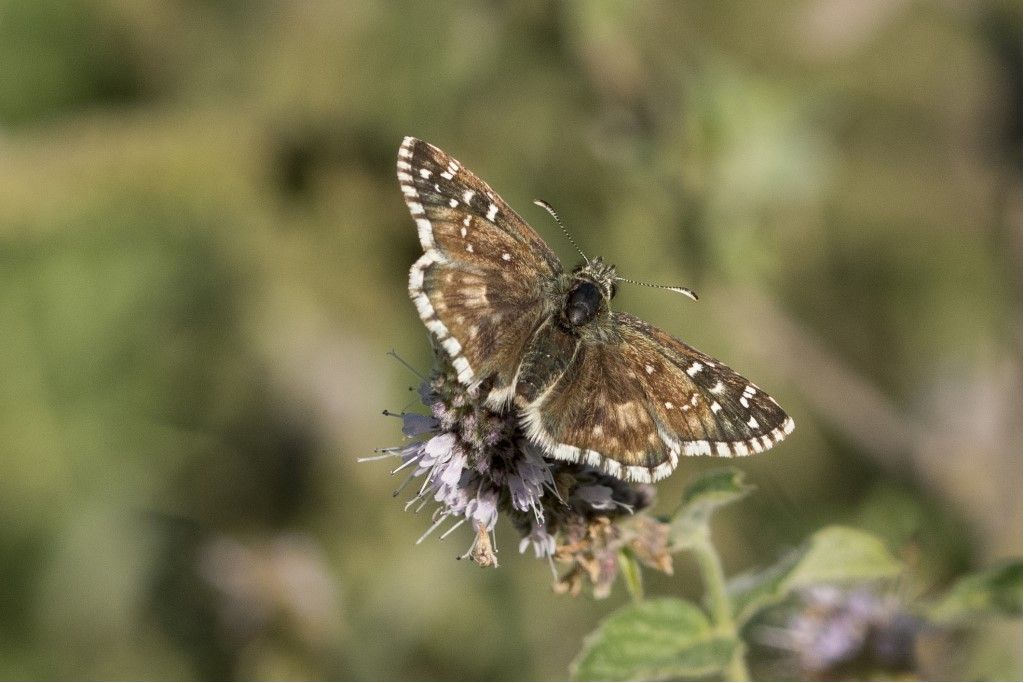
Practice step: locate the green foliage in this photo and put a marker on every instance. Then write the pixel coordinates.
(664, 639)
(59, 55)
(672, 638)
(992, 591)
(632, 576)
(833, 555)
(709, 492)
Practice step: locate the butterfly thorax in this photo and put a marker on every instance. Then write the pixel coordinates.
(590, 288)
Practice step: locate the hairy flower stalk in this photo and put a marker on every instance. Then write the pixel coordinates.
(474, 464)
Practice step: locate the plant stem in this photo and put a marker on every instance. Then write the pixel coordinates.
(720, 605)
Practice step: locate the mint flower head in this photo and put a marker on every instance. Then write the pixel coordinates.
(474, 464)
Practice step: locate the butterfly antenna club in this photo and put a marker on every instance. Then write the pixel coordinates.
(554, 214)
(685, 291)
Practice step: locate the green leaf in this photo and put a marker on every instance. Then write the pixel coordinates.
(843, 555)
(755, 591)
(652, 640)
(993, 591)
(833, 555)
(710, 491)
(629, 568)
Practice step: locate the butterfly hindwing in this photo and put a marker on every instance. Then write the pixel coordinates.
(595, 411)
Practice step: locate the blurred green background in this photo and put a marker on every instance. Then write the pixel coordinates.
(203, 262)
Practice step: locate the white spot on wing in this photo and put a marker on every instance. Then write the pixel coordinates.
(492, 211)
(452, 346)
(697, 448)
(506, 256)
(694, 369)
(638, 474)
(462, 366)
(752, 423)
(565, 452)
(425, 173)
(662, 471)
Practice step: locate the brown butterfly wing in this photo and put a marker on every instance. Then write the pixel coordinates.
(632, 405)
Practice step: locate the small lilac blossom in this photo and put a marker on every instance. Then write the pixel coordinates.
(835, 627)
(414, 425)
(542, 541)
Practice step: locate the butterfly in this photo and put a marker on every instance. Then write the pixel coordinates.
(590, 385)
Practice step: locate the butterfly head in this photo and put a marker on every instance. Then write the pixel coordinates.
(591, 289)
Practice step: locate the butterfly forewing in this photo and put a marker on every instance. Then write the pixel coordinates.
(441, 194)
(633, 405)
(480, 285)
(707, 407)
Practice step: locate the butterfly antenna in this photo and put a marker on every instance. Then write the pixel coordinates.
(685, 291)
(547, 207)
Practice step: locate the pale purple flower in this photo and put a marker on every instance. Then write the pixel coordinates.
(836, 626)
(543, 542)
(527, 482)
(414, 425)
(483, 509)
